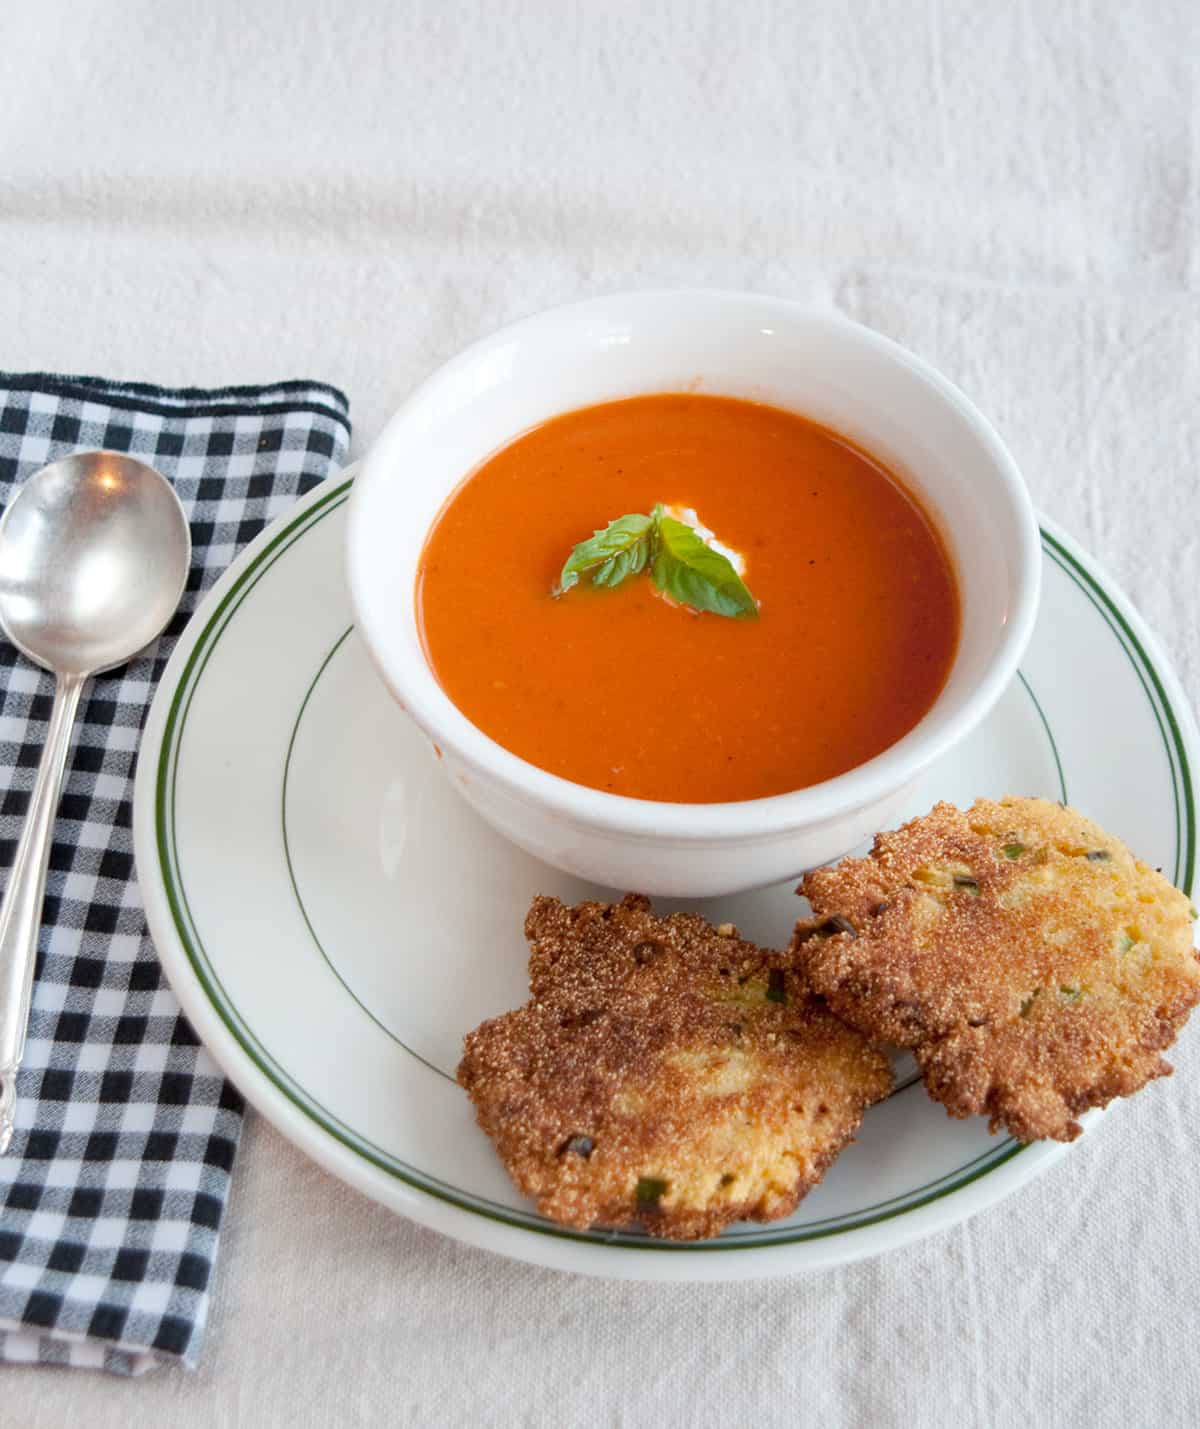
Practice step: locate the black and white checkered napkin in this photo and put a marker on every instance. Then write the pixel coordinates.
(112, 1193)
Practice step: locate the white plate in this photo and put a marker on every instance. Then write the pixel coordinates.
(334, 917)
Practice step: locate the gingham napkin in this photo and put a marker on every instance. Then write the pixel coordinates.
(112, 1193)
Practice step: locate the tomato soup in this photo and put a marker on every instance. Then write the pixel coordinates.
(623, 690)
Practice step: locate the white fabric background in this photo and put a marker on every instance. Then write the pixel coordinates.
(240, 192)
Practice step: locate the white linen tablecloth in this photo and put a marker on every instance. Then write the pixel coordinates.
(236, 193)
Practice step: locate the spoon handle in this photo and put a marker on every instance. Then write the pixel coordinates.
(21, 914)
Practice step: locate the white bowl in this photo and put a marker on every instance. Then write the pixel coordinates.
(734, 344)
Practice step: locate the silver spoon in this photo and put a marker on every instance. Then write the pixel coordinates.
(94, 556)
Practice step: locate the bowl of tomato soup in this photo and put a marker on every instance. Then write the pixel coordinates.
(688, 588)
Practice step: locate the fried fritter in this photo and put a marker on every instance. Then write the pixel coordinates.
(664, 1072)
(1031, 963)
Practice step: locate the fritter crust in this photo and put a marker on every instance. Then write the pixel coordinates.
(1034, 966)
(664, 1072)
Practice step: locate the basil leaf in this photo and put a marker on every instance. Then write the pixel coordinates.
(681, 564)
(621, 549)
(691, 572)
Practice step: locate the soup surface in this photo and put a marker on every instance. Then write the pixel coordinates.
(622, 690)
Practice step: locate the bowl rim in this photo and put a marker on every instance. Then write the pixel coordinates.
(416, 687)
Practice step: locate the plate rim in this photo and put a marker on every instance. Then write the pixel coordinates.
(546, 1245)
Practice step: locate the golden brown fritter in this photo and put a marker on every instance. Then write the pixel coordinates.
(664, 1072)
(1031, 963)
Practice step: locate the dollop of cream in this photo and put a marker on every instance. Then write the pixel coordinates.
(687, 515)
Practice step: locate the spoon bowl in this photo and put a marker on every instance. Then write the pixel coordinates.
(94, 554)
